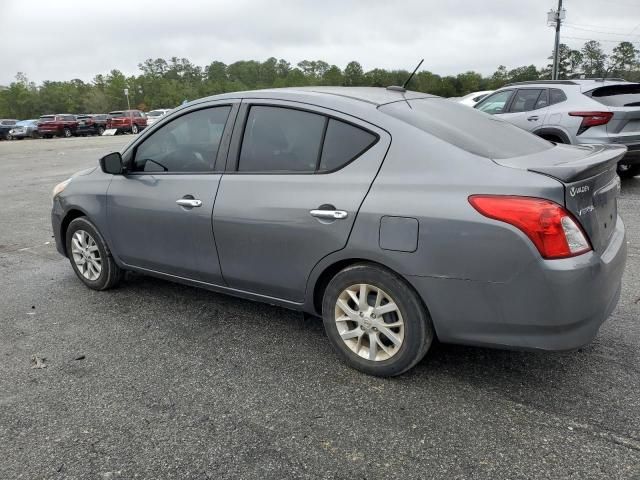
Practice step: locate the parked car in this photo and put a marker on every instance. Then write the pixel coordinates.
(154, 115)
(92, 124)
(24, 129)
(6, 126)
(576, 112)
(396, 215)
(60, 125)
(132, 121)
(474, 97)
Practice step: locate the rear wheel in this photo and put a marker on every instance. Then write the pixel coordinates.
(375, 321)
(90, 256)
(134, 129)
(100, 130)
(9, 136)
(552, 138)
(67, 132)
(628, 171)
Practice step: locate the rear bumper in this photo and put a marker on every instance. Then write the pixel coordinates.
(552, 305)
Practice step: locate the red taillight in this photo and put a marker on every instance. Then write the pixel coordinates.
(592, 119)
(550, 227)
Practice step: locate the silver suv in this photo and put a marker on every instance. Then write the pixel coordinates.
(575, 112)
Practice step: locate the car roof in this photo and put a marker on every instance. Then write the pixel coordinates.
(328, 96)
(584, 84)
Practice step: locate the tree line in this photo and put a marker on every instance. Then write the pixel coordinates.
(167, 83)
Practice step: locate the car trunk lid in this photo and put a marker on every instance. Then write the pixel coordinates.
(591, 184)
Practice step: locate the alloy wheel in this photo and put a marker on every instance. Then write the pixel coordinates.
(86, 255)
(369, 322)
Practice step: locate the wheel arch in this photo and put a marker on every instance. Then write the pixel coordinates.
(549, 133)
(70, 216)
(322, 275)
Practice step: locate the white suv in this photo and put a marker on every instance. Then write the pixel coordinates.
(575, 112)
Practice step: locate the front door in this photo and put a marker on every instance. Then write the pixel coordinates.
(159, 212)
(298, 177)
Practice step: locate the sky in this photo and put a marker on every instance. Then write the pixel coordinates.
(69, 39)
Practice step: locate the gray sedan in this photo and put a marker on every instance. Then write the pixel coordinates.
(399, 217)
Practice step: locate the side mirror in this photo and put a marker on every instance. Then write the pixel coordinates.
(112, 163)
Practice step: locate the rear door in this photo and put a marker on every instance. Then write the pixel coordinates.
(296, 177)
(159, 212)
(528, 108)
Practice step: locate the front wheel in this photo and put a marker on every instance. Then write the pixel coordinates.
(375, 321)
(90, 257)
(134, 129)
(100, 130)
(67, 133)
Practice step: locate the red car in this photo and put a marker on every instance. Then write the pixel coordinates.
(60, 125)
(127, 121)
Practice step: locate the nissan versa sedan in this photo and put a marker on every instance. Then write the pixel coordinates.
(399, 217)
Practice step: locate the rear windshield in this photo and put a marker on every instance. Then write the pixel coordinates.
(467, 128)
(47, 118)
(7, 122)
(116, 114)
(617, 95)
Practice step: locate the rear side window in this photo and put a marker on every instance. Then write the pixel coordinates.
(343, 143)
(556, 96)
(495, 103)
(624, 95)
(280, 139)
(525, 100)
(543, 99)
(466, 128)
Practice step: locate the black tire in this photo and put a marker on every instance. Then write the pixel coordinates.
(418, 328)
(134, 129)
(110, 274)
(100, 130)
(67, 133)
(628, 171)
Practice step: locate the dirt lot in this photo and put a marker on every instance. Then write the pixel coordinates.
(156, 380)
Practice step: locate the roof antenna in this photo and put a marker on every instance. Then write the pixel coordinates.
(403, 88)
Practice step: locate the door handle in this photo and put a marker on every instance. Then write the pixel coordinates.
(533, 118)
(189, 202)
(329, 214)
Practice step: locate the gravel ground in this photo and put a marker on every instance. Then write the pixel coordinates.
(156, 380)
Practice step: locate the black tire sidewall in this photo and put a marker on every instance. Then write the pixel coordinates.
(418, 334)
(109, 269)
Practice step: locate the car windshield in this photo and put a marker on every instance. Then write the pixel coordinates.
(155, 113)
(116, 114)
(467, 128)
(24, 123)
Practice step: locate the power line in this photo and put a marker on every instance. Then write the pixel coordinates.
(601, 31)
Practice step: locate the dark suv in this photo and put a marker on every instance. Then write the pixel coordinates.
(127, 121)
(61, 125)
(92, 124)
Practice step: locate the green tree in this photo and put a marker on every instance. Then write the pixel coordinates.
(353, 74)
(594, 58)
(624, 58)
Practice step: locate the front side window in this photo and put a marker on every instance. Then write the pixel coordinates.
(495, 103)
(525, 100)
(280, 139)
(187, 144)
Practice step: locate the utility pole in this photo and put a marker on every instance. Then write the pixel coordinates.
(555, 17)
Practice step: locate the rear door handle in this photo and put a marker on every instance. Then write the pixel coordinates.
(189, 202)
(329, 214)
(533, 118)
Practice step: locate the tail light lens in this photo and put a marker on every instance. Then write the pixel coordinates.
(591, 119)
(551, 228)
